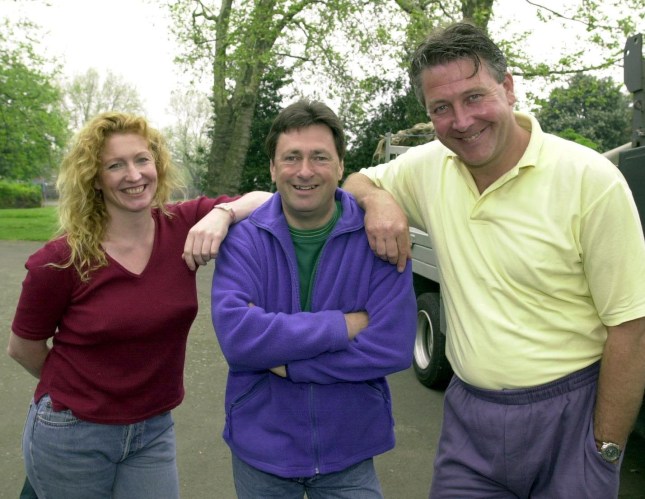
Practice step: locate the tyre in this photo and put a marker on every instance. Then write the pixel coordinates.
(430, 363)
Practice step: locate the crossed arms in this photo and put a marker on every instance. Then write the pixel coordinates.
(259, 329)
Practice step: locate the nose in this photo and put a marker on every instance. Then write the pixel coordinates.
(306, 169)
(461, 118)
(132, 172)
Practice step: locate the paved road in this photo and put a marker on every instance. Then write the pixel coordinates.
(204, 462)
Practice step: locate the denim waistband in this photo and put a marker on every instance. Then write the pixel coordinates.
(537, 393)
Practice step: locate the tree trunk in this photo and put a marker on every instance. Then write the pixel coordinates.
(477, 11)
(229, 146)
(234, 113)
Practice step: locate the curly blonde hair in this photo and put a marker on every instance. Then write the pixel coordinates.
(81, 210)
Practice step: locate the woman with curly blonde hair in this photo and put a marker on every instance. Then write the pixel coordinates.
(115, 297)
(82, 210)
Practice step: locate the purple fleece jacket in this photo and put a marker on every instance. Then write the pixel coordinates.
(334, 408)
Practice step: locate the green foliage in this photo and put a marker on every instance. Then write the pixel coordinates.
(347, 51)
(28, 224)
(20, 195)
(401, 112)
(574, 136)
(596, 34)
(256, 174)
(593, 108)
(240, 41)
(33, 129)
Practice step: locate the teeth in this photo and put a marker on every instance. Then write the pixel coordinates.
(134, 190)
(472, 137)
(304, 187)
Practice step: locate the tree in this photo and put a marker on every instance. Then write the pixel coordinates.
(574, 136)
(188, 137)
(600, 25)
(347, 49)
(239, 42)
(603, 27)
(33, 128)
(86, 95)
(256, 174)
(592, 107)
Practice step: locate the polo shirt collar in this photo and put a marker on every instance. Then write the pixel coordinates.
(532, 153)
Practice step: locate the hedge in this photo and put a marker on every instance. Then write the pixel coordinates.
(20, 195)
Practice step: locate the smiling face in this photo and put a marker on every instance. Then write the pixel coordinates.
(306, 169)
(127, 175)
(473, 115)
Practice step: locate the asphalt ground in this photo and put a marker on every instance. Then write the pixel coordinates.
(203, 458)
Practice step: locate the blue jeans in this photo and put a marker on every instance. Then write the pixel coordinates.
(356, 482)
(27, 491)
(67, 458)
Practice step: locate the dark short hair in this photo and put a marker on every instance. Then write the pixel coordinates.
(458, 41)
(301, 114)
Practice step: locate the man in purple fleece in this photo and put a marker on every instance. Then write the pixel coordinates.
(310, 322)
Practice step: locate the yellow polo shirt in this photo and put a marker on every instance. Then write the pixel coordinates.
(534, 268)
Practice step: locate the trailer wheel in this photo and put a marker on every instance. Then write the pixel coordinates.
(430, 363)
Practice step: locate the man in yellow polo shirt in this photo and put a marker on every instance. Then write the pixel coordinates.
(542, 265)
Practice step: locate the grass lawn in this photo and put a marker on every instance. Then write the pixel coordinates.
(28, 224)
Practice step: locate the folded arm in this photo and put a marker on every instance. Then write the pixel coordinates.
(252, 338)
(384, 347)
(356, 322)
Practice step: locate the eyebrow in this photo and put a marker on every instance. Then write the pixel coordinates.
(111, 159)
(479, 89)
(299, 151)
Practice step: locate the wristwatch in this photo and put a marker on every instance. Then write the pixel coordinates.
(610, 451)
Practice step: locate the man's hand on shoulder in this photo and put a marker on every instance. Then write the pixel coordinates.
(387, 229)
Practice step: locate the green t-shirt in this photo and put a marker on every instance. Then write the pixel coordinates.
(309, 244)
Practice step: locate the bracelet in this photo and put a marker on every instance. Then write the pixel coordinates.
(227, 208)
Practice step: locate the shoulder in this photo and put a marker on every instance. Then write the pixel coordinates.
(190, 206)
(565, 159)
(413, 168)
(579, 174)
(190, 211)
(431, 153)
(243, 234)
(570, 156)
(563, 154)
(49, 266)
(565, 146)
(56, 251)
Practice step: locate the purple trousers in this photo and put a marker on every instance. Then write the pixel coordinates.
(533, 443)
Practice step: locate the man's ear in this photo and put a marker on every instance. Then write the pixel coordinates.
(509, 88)
(272, 169)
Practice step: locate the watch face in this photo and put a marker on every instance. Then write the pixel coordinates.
(610, 452)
